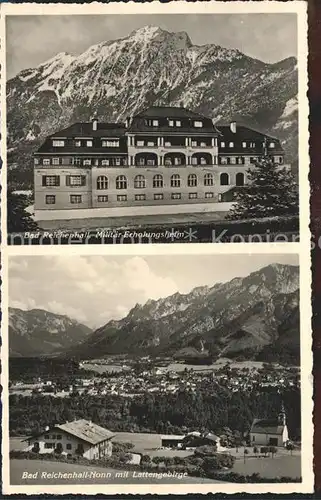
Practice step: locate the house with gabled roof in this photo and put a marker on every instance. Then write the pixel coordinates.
(79, 438)
(269, 432)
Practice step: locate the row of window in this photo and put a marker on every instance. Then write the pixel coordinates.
(77, 199)
(53, 445)
(140, 181)
(240, 160)
(246, 144)
(175, 181)
(53, 436)
(86, 162)
(141, 161)
(114, 143)
(172, 123)
(167, 144)
(88, 143)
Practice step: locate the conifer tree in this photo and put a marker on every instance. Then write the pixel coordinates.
(271, 191)
(18, 219)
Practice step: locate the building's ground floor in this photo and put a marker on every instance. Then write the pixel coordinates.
(80, 188)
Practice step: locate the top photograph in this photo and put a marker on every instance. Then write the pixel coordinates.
(155, 128)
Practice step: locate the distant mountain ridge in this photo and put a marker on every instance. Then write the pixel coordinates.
(37, 333)
(151, 66)
(256, 317)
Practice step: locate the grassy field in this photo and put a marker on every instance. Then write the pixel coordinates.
(135, 221)
(283, 465)
(95, 475)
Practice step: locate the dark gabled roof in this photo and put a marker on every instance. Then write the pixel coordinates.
(85, 129)
(163, 114)
(168, 112)
(265, 426)
(246, 134)
(82, 429)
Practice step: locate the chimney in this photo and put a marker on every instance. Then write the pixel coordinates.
(95, 122)
(233, 127)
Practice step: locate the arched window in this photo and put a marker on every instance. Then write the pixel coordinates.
(139, 182)
(121, 182)
(102, 182)
(175, 181)
(239, 179)
(192, 180)
(158, 181)
(224, 179)
(208, 180)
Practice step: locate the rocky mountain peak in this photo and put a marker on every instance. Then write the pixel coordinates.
(151, 66)
(245, 316)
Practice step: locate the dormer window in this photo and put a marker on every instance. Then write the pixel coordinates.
(243, 144)
(78, 144)
(155, 123)
(231, 145)
(222, 144)
(89, 144)
(178, 123)
(252, 144)
(110, 143)
(58, 143)
(272, 145)
(198, 124)
(171, 123)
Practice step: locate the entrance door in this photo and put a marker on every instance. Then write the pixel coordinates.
(273, 441)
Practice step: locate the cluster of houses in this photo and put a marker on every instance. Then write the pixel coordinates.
(86, 439)
(159, 380)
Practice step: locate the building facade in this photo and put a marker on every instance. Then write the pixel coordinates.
(164, 155)
(269, 432)
(77, 438)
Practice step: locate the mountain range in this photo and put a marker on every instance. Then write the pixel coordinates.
(151, 66)
(37, 332)
(255, 317)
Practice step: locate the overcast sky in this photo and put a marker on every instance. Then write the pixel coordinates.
(32, 40)
(95, 289)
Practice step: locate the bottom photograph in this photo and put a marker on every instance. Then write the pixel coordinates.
(181, 369)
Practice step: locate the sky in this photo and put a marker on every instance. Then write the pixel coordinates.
(32, 40)
(96, 289)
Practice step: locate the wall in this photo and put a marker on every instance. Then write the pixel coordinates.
(63, 191)
(90, 452)
(263, 439)
(65, 439)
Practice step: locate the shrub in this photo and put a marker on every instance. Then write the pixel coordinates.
(218, 461)
(119, 447)
(146, 459)
(205, 451)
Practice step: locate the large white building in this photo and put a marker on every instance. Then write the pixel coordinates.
(162, 156)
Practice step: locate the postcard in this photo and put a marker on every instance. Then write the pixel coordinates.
(156, 123)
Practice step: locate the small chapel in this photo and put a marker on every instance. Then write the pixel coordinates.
(270, 432)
